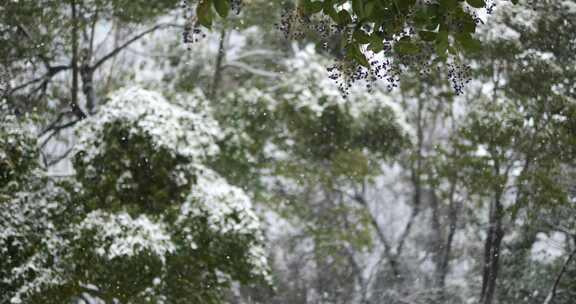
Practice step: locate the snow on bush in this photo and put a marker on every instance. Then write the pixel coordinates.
(122, 235)
(17, 149)
(143, 203)
(170, 126)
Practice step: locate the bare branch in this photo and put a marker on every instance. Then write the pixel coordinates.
(52, 71)
(57, 130)
(59, 158)
(250, 69)
(406, 231)
(129, 42)
(31, 82)
(52, 125)
(253, 53)
(554, 289)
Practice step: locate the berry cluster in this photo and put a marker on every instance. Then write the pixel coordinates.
(386, 66)
(192, 30)
(236, 6)
(291, 24)
(346, 73)
(294, 25)
(459, 75)
(490, 5)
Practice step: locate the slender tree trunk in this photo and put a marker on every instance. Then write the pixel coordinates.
(87, 74)
(453, 210)
(218, 67)
(387, 255)
(87, 71)
(437, 238)
(74, 93)
(416, 179)
(492, 247)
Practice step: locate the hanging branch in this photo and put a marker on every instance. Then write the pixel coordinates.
(552, 293)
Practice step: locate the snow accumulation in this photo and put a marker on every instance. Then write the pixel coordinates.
(27, 222)
(495, 29)
(122, 235)
(306, 84)
(547, 248)
(228, 210)
(172, 127)
(187, 130)
(32, 221)
(219, 201)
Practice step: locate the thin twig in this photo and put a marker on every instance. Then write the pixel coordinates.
(57, 130)
(60, 158)
(553, 291)
(129, 42)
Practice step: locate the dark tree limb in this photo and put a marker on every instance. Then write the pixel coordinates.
(53, 124)
(57, 129)
(51, 72)
(59, 158)
(554, 289)
(75, 70)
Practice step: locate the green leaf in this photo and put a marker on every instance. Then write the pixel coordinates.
(204, 13)
(421, 17)
(448, 5)
(328, 9)
(369, 9)
(222, 7)
(311, 8)
(442, 43)
(468, 24)
(405, 5)
(376, 44)
(344, 17)
(476, 3)
(358, 8)
(361, 37)
(405, 46)
(468, 43)
(427, 35)
(353, 52)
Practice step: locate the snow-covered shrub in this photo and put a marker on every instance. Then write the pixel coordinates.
(18, 153)
(31, 214)
(143, 221)
(33, 239)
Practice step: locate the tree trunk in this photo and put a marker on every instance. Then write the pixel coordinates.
(87, 74)
(74, 94)
(442, 266)
(492, 248)
(438, 246)
(218, 67)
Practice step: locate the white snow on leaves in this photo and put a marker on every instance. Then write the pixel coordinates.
(228, 210)
(123, 235)
(186, 133)
(187, 130)
(220, 202)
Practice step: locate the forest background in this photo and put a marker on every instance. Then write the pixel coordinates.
(147, 160)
